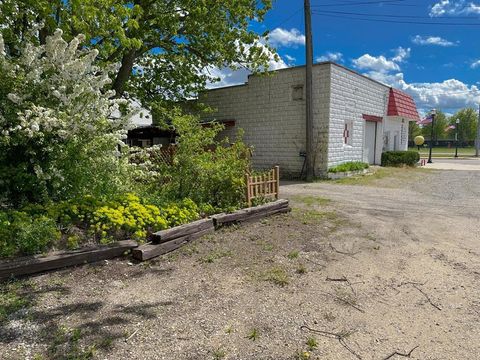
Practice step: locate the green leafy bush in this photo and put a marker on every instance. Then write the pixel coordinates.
(204, 169)
(349, 166)
(37, 228)
(23, 234)
(400, 158)
(122, 216)
(129, 216)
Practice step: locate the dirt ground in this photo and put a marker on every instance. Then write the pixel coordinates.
(360, 269)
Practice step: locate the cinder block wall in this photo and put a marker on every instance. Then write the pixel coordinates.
(273, 121)
(353, 95)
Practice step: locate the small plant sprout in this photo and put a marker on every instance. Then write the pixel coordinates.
(301, 269)
(253, 335)
(302, 355)
(277, 276)
(219, 354)
(312, 343)
(293, 254)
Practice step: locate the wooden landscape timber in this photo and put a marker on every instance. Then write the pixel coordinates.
(168, 240)
(149, 251)
(253, 213)
(162, 242)
(36, 264)
(182, 230)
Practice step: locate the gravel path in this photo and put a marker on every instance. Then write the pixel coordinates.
(389, 265)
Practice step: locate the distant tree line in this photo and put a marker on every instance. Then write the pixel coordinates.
(467, 130)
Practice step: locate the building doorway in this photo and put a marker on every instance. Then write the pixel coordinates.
(370, 141)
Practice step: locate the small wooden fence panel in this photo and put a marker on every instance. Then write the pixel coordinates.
(266, 185)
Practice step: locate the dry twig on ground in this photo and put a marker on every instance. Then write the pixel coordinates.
(343, 252)
(345, 301)
(400, 354)
(427, 297)
(339, 336)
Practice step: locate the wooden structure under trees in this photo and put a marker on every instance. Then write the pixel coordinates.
(263, 186)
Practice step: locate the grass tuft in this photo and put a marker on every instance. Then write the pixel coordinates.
(277, 276)
(13, 297)
(301, 269)
(253, 335)
(302, 355)
(311, 200)
(293, 255)
(219, 354)
(312, 343)
(216, 255)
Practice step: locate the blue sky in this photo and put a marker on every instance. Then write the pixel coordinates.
(437, 63)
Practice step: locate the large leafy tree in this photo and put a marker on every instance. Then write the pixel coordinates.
(164, 48)
(413, 130)
(467, 130)
(441, 122)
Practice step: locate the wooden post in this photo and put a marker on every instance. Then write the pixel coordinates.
(247, 182)
(277, 183)
(264, 185)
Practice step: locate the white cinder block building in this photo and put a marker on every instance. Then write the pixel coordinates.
(355, 118)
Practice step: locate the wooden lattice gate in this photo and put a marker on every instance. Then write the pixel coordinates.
(266, 185)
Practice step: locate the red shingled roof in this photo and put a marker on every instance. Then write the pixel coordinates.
(402, 104)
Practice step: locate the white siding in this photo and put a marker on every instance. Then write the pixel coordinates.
(352, 96)
(395, 126)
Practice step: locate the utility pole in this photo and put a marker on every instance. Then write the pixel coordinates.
(310, 166)
(477, 141)
(433, 113)
(457, 125)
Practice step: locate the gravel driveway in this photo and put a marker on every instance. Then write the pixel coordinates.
(359, 270)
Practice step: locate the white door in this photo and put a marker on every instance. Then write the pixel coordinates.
(395, 141)
(370, 141)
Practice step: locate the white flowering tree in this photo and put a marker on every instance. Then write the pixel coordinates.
(61, 132)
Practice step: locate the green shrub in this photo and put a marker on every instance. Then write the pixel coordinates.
(36, 228)
(22, 234)
(204, 169)
(130, 217)
(349, 166)
(123, 216)
(400, 158)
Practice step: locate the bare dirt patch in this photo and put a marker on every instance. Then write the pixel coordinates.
(354, 272)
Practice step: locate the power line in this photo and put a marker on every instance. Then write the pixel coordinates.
(395, 21)
(386, 2)
(277, 24)
(386, 15)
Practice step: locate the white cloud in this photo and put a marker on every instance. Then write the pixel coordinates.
(401, 54)
(227, 76)
(290, 59)
(475, 64)
(287, 38)
(330, 56)
(454, 7)
(375, 63)
(448, 95)
(432, 40)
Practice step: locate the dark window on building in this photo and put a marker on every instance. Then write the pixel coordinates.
(297, 92)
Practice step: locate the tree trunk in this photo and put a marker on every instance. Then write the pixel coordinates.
(125, 71)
